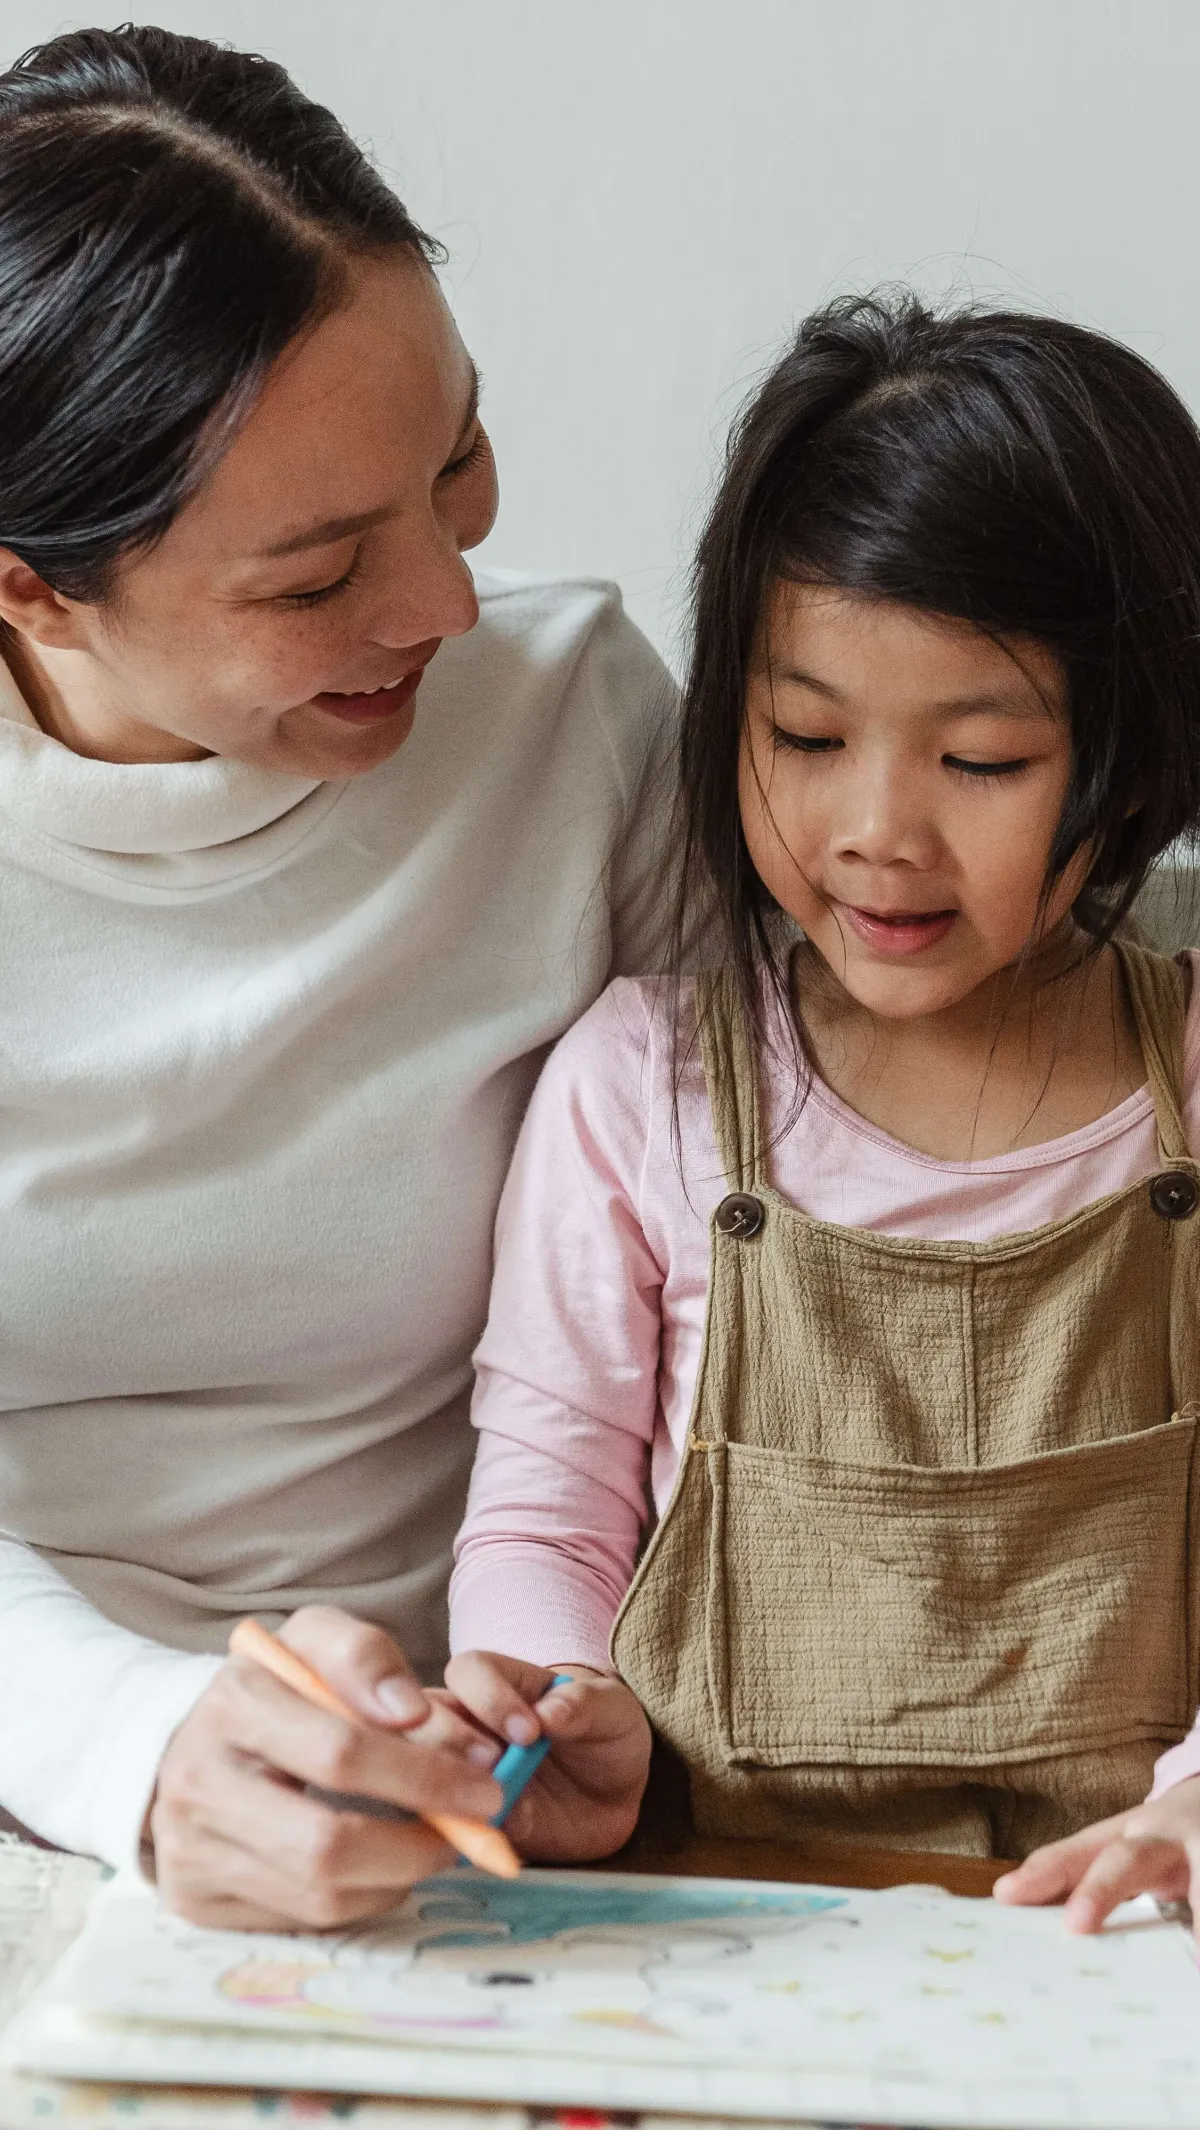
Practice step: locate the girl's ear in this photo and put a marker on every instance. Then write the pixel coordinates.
(30, 606)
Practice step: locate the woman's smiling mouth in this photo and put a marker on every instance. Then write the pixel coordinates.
(372, 705)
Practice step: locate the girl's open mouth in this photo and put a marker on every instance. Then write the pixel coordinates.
(897, 933)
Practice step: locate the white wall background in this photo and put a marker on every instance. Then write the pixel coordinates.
(640, 196)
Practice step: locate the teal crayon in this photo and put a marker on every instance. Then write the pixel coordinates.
(518, 1764)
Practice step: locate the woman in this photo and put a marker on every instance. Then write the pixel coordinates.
(310, 846)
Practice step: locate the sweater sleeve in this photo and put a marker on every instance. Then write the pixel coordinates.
(567, 1370)
(88, 1711)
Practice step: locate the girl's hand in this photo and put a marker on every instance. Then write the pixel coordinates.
(583, 1802)
(1153, 1849)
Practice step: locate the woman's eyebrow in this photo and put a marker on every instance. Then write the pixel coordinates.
(326, 532)
(331, 529)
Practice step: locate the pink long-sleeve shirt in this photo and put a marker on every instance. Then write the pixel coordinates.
(587, 1369)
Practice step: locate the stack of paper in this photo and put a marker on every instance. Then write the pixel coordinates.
(706, 1997)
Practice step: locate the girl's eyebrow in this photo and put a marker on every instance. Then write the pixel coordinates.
(797, 678)
(994, 703)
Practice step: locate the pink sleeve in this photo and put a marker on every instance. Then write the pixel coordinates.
(567, 1370)
(1182, 1761)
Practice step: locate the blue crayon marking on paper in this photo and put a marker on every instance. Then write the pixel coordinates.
(516, 1768)
(531, 1909)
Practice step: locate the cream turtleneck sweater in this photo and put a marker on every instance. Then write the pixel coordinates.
(264, 1046)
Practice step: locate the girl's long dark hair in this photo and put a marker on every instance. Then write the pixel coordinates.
(1019, 473)
(171, 215)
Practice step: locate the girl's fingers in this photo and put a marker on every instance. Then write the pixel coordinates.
(446, 1724)
(1125, 1867)
(500, 1692)
(1055, 1870)
(590, 1707)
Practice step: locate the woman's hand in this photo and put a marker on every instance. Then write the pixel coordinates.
(237, 1842)
(1153, 1849)
(583, 1802)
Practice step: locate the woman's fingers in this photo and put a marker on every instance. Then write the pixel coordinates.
(234, 1831)
(500, 1692)
(252, 1846)
(265, 1719)
(361, 1663)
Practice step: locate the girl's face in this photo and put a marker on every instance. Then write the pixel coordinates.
(320, 561)
(901, 781)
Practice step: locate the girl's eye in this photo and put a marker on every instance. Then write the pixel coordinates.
(470, 457)
(804, 742)
(323, 591)
(980, 770)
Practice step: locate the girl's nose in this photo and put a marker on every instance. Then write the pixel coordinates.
(883, 820)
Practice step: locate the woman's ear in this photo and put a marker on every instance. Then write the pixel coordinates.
(30, 606)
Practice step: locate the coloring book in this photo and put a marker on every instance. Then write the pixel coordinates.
(683, 1995)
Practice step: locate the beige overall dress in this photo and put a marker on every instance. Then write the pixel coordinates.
(929, 1576)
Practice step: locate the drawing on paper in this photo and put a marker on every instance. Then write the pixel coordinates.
(592, 1952)
(672, 1976)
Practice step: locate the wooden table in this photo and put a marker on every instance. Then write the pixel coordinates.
(812, 1863)
(665, 1841)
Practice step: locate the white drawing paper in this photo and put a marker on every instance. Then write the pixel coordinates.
(644, 1992)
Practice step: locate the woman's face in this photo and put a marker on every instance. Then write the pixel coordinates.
(902, 779)
(288, 613)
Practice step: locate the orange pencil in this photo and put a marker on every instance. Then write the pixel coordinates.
(482, 1845)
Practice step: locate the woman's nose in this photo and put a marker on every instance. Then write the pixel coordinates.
(428, 590)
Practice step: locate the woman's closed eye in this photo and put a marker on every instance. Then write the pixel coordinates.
(478, 449)
(323, 591)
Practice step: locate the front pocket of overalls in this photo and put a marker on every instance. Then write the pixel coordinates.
(918, 1616)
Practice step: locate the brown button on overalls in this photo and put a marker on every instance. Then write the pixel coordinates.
(928, 1576)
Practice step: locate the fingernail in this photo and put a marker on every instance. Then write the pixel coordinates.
(483, 1754)
(402, 1698)
(522, 1730)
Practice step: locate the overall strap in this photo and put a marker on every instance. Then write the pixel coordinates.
(730, 1071)
(1155, 986)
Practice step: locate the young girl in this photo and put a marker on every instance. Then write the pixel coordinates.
(872, 1260)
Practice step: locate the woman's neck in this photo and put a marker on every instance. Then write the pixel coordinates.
(77, 715)
(1029, 1056)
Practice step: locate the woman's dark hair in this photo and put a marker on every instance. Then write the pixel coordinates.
(171, 215)
(1019, 473)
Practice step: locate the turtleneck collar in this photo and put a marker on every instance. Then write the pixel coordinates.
(132, 809)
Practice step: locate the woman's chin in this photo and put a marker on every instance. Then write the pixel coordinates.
(329, 749)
